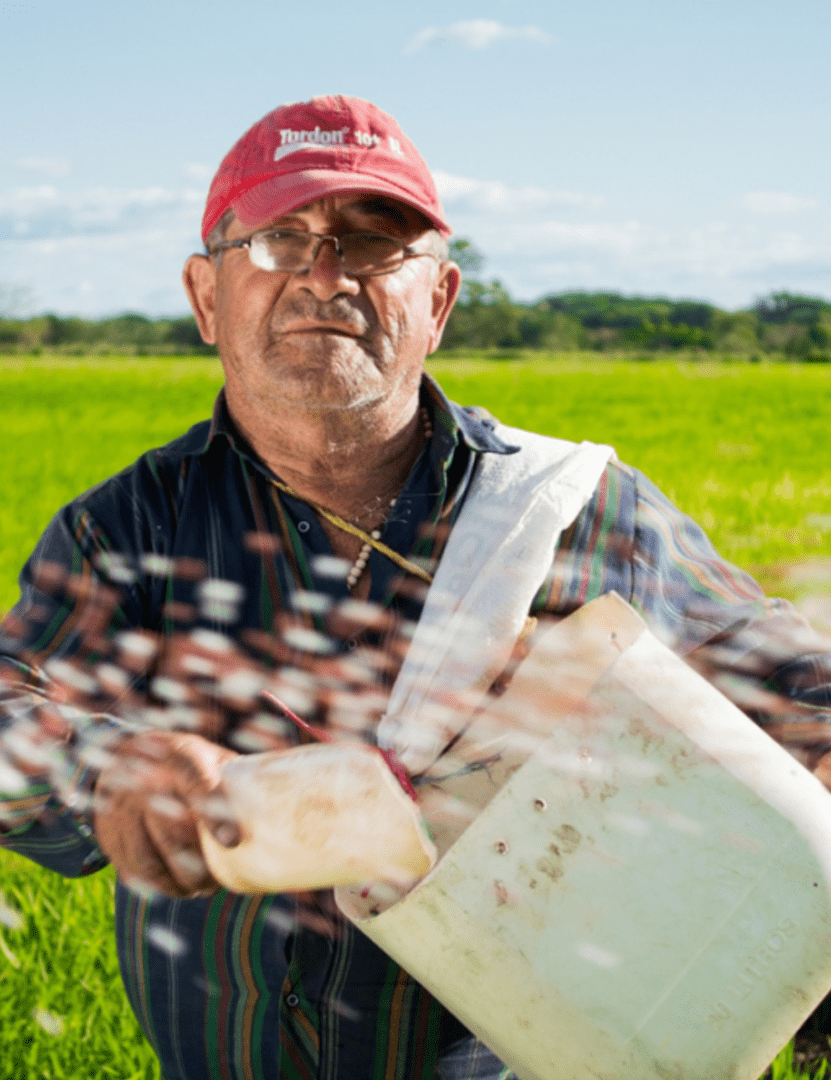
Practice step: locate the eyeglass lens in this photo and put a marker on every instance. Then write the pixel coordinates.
(360, 253)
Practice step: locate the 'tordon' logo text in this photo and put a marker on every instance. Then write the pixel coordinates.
(292, 141)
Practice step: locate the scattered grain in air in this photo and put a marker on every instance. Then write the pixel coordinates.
(67, 673)
(219, 599)
(250, 741)
(115, 567)
(110, 675)
(166, 940)
(140, 887)
(138, 645)
(210, 641)
(156, 565)
(298, 700)
(636, 767)
(364, 703)
(344, 1010)
(363, 612)
(215, 805)
(9, 955)
(11, 781)
(167, 806)
(219, 591)
(241, 685)
(199, 665)
(189, 863)
(298, 637)
(628, 823)
(172, 716)
(301, 680)
(9, 916)
(95, 757)
(51, 1024)
(594, 954)
(169, 689)
(282, 920)
(329, 566)
(317, 603)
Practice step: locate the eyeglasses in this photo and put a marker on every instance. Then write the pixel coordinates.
(291, 251)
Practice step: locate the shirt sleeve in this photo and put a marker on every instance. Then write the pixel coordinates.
(759, 651)
(47, 817)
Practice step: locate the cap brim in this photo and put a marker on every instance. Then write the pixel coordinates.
(280, 195)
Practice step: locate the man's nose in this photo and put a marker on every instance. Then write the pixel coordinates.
(326, 277)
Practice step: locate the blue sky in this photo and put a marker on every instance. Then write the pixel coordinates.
(649, 146)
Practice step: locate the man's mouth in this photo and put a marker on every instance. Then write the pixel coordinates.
(322, 328)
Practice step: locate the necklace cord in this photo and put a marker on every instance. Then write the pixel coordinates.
(354, 530)
(321, 735)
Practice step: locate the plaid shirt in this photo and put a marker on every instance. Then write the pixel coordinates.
(214, 980)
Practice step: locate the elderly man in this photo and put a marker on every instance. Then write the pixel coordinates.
(333, 470)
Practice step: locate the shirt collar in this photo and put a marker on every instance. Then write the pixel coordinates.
(451, 424)
(473, 426)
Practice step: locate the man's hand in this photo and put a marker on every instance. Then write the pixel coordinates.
(822, 770)
(148, 801)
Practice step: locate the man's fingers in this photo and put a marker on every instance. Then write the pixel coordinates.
(159, 787)
(179, 851)
(131, 849)
(152, 842)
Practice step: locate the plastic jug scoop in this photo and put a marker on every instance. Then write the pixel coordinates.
(318, 816)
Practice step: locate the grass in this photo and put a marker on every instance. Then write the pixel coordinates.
(63, 1012)
(743, 448)
(740, 447)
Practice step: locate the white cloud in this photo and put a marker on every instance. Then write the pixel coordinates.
(775, 202)
(47, 212)
(101, 250)
(47, 166)
(197, 172)
(98, 250)
(476, 34)
(462, 194)
(727, 264)
(95, 275)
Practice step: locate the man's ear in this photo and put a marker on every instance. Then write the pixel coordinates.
(199, 279)
(445, 292)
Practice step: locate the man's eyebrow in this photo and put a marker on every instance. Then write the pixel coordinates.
(384, 208)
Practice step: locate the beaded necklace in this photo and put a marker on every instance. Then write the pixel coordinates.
(372, 539)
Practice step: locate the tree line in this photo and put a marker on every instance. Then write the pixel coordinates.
(781, 324)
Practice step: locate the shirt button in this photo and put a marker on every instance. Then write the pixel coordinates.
(303, 526)
(292, 1001)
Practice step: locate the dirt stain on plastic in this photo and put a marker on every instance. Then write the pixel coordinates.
(569, 838)
(551, 866)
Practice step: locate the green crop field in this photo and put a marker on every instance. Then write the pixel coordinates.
(741, 447)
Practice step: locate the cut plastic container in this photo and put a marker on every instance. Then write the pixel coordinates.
(644, 897)
(317, 816)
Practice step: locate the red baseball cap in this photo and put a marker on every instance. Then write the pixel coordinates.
(303, 151)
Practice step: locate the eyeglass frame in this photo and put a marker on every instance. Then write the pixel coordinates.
(407, 252)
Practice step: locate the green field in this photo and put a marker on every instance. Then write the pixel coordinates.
(743, 448)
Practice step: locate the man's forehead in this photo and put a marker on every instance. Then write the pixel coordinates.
(362, 204)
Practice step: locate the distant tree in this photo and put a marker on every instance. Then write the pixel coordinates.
(484, 318)
(185, 333)
(785, 307)
(466, 255)
(692, 313)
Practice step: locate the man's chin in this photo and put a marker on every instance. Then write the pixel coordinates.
(331, 387)
(319, 347)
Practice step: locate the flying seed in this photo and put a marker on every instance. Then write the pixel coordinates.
(51, 1024)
